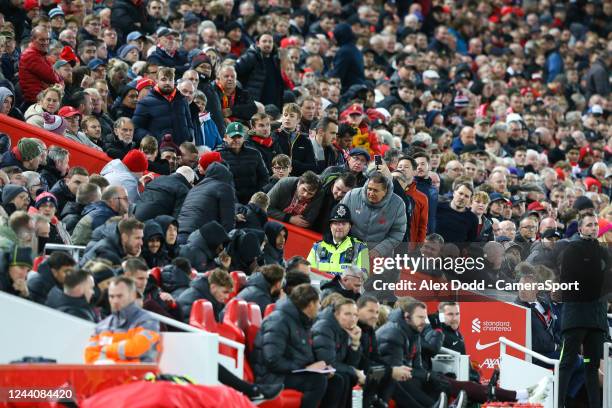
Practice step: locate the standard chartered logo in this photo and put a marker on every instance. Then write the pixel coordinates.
(476, 325)
(479, 326)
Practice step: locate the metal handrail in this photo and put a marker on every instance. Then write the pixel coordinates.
(607, 398)
(445, 350)
(231, 343)
(503, 342)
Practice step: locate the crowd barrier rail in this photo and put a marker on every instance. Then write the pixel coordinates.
(607, 375)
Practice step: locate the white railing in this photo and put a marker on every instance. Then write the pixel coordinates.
(222, 340)
(74, 250)
(504, 343)
(448, 360)
(607, 375)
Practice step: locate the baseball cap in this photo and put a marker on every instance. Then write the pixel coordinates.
(134, 35)
(358, 151)
(68, 111)
(95, 63)
(354, 108)
(236, 129)
(60, 63)
(536, 206)
(431, 74)
(165, 31)
(497, 197)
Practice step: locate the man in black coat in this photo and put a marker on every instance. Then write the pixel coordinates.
(584, 322)
(260, 138)
(259, 72)
(65, 189)
(75, 297)
(206, 71)
(348, 284)
(164, 195)
(237, 104)
(335, 188)
(284, 344)
(348, 61)
(213, 199)
(293, 142)
(264, 286)
(204, 245)
(245, 163)
(125, 240)
(51, 273)
(129, 15)
(164, 110)
(167, 52)
(216, 288)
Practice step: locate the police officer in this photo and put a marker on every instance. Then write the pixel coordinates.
(338, 250)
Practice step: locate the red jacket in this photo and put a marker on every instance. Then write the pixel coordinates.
(35, 73)
(420, 214)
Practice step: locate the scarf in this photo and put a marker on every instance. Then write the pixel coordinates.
(264, 141)
(296, 207)
(227, 101)
(170, 97)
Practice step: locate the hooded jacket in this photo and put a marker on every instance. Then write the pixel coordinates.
(257, 290)
(164, 222)
(271, 254)
(160, 258)
(348, 61)
(383, 224)
(75, 306)
(162, 196)
(198, 289)
(244, 247)
(201, 245)
(283, 344)
(118, 174)
(213, 199)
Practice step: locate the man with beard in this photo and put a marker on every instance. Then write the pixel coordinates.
(164, 110)
(455, 222)
(167, 53)
(264, 286)
(125, 241)
(334, 189)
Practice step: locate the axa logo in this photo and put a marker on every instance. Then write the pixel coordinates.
(490, 363)
(476, 325)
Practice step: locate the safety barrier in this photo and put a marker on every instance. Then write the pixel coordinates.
(450, 361)
(80, 155)
(607, 375)
(516, 373)
(76, 251)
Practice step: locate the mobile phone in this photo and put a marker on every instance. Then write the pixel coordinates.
(378, 160)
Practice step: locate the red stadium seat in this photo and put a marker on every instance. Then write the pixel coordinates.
(269, 309)
(254, 325)
(287, 399)
(156, 274)
(239, 279)
(37, 261)
(237, 312)
(254, 314)
(202, 316)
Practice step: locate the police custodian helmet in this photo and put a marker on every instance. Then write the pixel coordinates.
(340, 213)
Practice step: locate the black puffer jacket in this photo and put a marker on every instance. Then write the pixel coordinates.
(255, 216)
(63, 194)
(398, 343)
(248, 169)
(253, 75)
(162, 196)
(213, 199)
(49, 176)
(198, 289)
(334, 286)
(155, 115)
(267, 152)
(174, 280)
(257, 290)
(283, 344)
(179, 61)
(201, 245)
(109, 248)
(41, 283)
(300, 151)
(126, 17)
(331, 344)
(75, 306)
(271, 254)
(117, 149)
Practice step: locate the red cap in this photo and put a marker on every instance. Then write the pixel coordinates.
(208, 158)
(143, 83)
(354, 108)
(136, 161)
(67, 54)
(30, 5)
(536, 206)
(68, 111)
(288, 42)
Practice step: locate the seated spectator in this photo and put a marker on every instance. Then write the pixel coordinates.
(76, 295)
(281, 168)
(154, 251)
(296, 200)
(284, 344)
(165, 195)
(264, 286)
(46, 205)
(122, 139)
(125, 240)
(66, 188)
(170, 228)
(48, 100)
(212, 199)
(90, 125)
(127, 173)
(51, 273)
(125, 102)
(73, 116)
(276, 238)
(338, 250)
(18, 264)
(456, 223)
(255, 214)
(204, 245)
(216, 288)
(56, 166)
(348, 284)
(150, 148)
(134, 337)
(86, 194)
(15, 198)
(27, 155)
(176, 277)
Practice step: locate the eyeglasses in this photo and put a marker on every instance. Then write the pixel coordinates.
(121, 198)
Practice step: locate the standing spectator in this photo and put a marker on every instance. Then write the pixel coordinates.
(167, 52)
(260, 138)
(245, 163)
(456, 223)
(127, 172)
(259, 71)
(378, 215)
(418, 219)
(598, 77)
(326, 131)
(35, 71)
(164, 110)
(129, 15)
(293, 143)
(212, 199)
(164, 195)
(348, 61)
(296, 200)
(334, 189)
(236, 103)
(425, 186)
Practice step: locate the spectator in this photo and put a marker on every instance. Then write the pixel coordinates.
(35, 71)
(15, 198)
(420, 214)
(135, 337)
(127, 15)
(347, 284)
(348, 61)
(236, 103)
(485, 225)
(264, 286)
(254, 215)
(293, 143)
(46, 205)
(125, 240)
(164, 110)
(167, 52)
(127, 172)
(425, 186)
(74, 299)
(245, 163)
(377, 202)
(47, 101)
(260, 65)
(65, 189)
(114, 202)
(122, 139)
(56, 167)
(259, 138)
(356, 163)
(296, 200)
(27, 155)
(215, 288)
(334, 189)
(276, 238)
(455, 222)
(212, 199)
(165, 195)
(71, 214)
(72, 116)
(204, 245)
(326, 131)
(13, 278)
(50, 274)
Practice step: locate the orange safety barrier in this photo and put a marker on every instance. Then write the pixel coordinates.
(80, 155)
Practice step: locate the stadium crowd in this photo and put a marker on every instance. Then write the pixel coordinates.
(448, 129)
